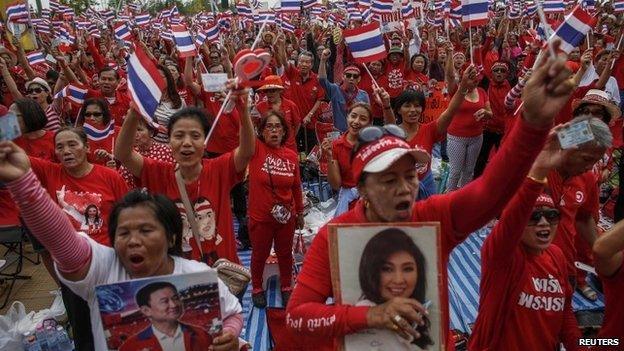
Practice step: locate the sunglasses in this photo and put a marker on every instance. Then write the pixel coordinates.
(214, 57)
(271, 90)
(373, 133)
(499, 70)
(34, 91)
(93, 114)
(351, 75)
(550, 215)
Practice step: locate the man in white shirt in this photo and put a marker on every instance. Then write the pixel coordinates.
(162, 305)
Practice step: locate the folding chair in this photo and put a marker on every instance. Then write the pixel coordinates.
(12, 238)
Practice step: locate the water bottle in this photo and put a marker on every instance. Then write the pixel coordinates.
(29, 341)
(64, 342)
(51, 337)
(41, 338)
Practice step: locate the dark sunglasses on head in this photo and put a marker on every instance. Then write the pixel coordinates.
(551, 216)
(352, 75)
(93, 114)
(34, 91)
(373, 133)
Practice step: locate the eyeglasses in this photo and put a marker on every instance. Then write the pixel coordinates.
(352, 76)
(551, 215)
(272, 127)
(93, 114)
(34, 91)
(214, 57)
(373, 133)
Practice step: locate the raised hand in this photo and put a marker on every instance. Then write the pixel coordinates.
(14, 162)
(547, 91)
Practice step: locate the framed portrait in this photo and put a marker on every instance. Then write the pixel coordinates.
(161, 313)
(373, 263)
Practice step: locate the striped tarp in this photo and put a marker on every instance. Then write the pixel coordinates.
(464, 272)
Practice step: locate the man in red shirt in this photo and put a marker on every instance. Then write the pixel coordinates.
(495, 126)
(302, 85)
(575, 191)
(118, 102)
(376, 69)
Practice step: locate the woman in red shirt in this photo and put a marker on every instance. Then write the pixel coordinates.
(410, 106)
(207, 181)
(418, 69)
(465, 136)
(35, 140)
(97, 122)
(274, 101)
(524, 278)
(274, 183)
(385, 169)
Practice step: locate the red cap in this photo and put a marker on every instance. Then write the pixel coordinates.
(544, 200)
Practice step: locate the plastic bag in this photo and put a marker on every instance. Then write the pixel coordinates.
(16, 321)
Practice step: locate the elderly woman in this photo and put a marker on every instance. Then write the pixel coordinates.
(145, 231)
(207, 182)
(385, 168)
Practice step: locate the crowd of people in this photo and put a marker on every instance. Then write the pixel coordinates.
(106, 194)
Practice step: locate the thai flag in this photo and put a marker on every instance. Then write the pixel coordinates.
(544, 31)
(573, 30)
(514, 11)
(175, 20)
(366, 43)
(183, 41)
(96, 134)
(618, 6)
(268, 17)
(367, 15)
(243, 9)
(122, 32)
(174, 11)
(407, 11)
(108, 15)
(316, 10)
(93, 30)
(382, 6)
(287, 26)
(142, 20)
(200, 38)
(212, 34)
(75, 93)
(290, 6)
(17, 13)
(55, 5)
(145, 84)
(589, 5)
(254, 4)
(456, 11)
(82, 25)
(35, 57)
(166, 13)
(551, 6)
(167, 35)
(45, 13)
(308, 4)
(135, 7)
(475, 12)
(530, 8)
(364, 3)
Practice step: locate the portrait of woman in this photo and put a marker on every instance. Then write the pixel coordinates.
(393, 266)
(92, 219)
(374, 265)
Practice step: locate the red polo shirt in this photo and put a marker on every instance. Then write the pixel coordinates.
(576, 197)
(305, 92)
(341, 151)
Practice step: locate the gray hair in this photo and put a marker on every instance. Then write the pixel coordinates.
(601, 131)
(307, 54)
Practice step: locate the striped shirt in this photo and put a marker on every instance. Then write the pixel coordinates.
(162, 115)
(54, 118)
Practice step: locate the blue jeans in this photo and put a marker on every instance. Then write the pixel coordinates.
(345, 196)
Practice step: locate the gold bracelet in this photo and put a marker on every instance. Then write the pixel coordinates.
(541, 181)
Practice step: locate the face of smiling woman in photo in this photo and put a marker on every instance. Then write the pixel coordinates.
(398, 276)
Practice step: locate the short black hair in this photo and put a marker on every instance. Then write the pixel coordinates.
(191, 112)
(165, 211)
(142, 296)
(426, 65)
(409, 95)
(282, 120)
(103, 104)
(32, 113)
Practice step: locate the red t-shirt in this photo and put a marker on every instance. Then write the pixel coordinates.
(613, 323)
(496, 96)
(520, 289)
(283, 186)
(293, 118)
(341, 152)
(42, 147)
(156, 151)
(225, 137)
(118, 106)
(366, 84)
(101, 187)
(425, 137)
(436, 103)
(576, 198)
(105, 144)
(305, 93)
(464, 124)
(210, 197)
(395, 75)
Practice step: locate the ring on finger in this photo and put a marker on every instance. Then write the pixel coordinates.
(397, 319)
